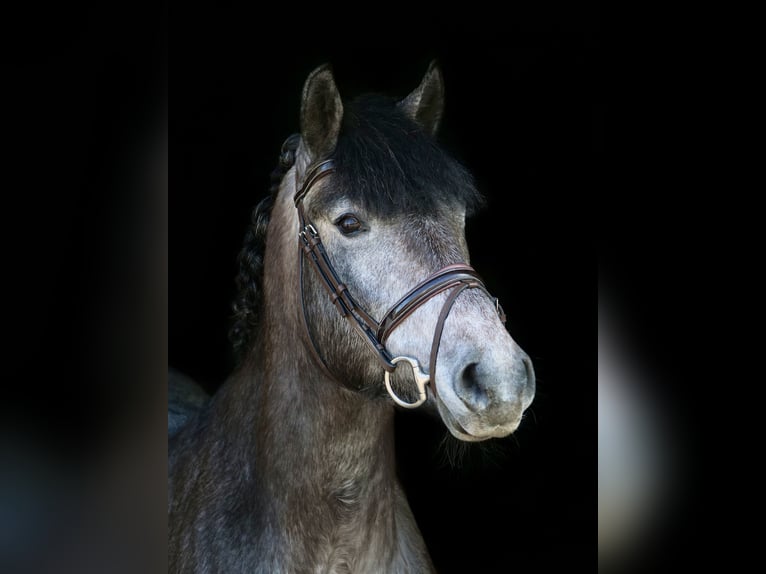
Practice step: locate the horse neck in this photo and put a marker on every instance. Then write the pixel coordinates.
(308, 422)
(324, 463)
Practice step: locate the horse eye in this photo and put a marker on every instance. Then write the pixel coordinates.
(348, 223)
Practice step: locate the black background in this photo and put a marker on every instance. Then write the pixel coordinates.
(527, 93)
(524, 114)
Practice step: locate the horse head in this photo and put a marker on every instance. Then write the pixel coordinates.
(380, 208)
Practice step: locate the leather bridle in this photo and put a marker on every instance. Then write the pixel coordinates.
(458, 277)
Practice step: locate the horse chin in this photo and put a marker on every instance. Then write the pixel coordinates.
(477, 432)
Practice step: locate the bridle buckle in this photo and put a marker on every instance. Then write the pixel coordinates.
(309, 229)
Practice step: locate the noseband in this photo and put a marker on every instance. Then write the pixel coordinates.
(457, 277)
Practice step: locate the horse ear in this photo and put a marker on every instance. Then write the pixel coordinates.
(425, 104)
(321, 113)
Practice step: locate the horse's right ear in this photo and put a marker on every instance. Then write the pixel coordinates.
(321, 113)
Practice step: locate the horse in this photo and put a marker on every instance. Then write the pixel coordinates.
(356, 298)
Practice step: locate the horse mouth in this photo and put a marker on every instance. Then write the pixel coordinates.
(460, 432)
(454, 427)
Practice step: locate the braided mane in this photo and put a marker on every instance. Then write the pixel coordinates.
(249, 279)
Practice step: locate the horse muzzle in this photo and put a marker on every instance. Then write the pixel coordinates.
(481, 401)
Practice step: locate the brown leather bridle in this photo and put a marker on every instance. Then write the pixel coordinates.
(458, 277)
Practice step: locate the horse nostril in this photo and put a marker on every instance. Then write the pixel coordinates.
(468, 376)
(530, 371)
(469, 388)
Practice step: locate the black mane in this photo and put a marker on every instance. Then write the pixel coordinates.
(384, 162)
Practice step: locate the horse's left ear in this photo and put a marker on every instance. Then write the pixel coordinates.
(425, 104)
(321, 113)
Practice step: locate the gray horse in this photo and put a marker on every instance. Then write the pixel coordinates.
(356, 298)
